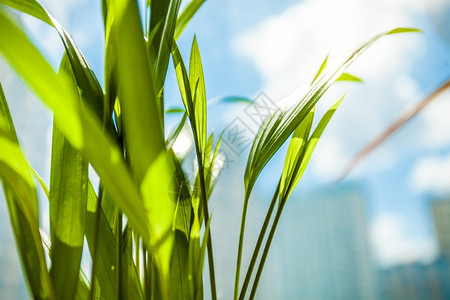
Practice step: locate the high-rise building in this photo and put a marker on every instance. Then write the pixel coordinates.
(322, 244)
(441, 218)
(416, 281)
(422, 280)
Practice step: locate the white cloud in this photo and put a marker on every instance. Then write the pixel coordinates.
(435, 121)
(440, 16)
(288, 49)
(432, 174)
(183, 143)
(393, 246)
(81, 19)
(329, 158)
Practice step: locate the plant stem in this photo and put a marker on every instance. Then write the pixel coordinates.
(146, 275)
(119, 239)
(212, 276)
(266, 251)
(240, 246)
(262, 233)
(94, 254)
(137, 254)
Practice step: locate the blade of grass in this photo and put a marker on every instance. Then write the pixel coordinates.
(163, 19)
(349, 77)
(280, 126)
(321, 69)
(68, 197)
(179, 280)
(294, 155)
(85, 77)
(195, 105)
(186, 16)
(198, 92)
(76, 122)
(300, 151)
(270, 137)
(22, 205)
(143, 134)
(174, 135)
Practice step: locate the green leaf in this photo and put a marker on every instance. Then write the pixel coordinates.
(210, 165)
(175, 133)
(179, 279)
(82, 291)
(76, 122)
(175, 110)
(186, 16)
(68, 197)
(163, 21)
(85, 77)
(143, 134)
(197, 85)
(22, 205)
(106, 254)
(294, 156)
(314, 139)
(106, 247)
(299, 160)
(403, 30)
(321, 69)
(349, 77)
(229, 99)
(271, 136)
(40, 181)
(30, 7)
(276, 130)
(183, 84)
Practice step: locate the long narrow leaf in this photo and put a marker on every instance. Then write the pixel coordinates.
(76, 122)
(86, 80)
(143, 134)
(294, 155)
(186, 16)
(197, 85)
(266, 145)
(22, 205)
(68, 197)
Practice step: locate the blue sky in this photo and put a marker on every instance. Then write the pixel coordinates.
(275, 47)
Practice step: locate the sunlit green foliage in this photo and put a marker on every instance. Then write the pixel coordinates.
(146, 226)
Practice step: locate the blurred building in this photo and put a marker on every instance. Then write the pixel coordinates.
(416, 281)
(323, 247)
(441, 218)
(421, 280)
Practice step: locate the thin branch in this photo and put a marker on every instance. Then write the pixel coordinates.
(389, 131)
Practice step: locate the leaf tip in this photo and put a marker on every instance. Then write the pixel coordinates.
(403, 30)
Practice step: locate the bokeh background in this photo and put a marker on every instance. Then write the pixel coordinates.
(384, 231)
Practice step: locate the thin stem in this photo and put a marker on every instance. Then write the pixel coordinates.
(119, 240)
(212, 277)
(137, 254)
(390, 130)
(94, 251)
(146, 275)
(259, 243)
(266, 251)
(240, 246)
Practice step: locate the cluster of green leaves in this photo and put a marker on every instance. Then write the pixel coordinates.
(143, 224)
(119, 131)
(295, 121)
